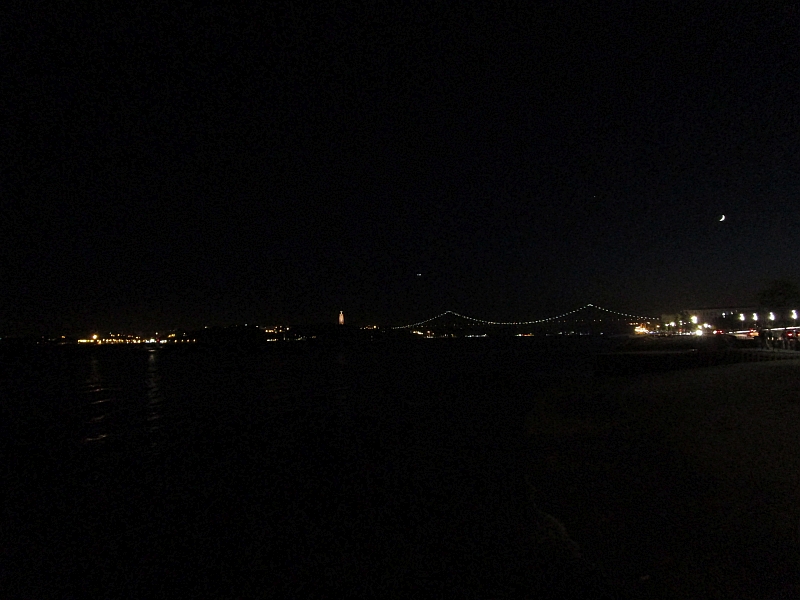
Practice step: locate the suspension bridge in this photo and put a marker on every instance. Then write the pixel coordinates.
(573, 314)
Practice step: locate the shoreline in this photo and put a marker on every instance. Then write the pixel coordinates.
(678, 484)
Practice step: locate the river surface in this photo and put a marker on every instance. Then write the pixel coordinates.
(390, 468)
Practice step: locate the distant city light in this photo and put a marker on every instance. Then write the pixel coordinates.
(771, 316)
(794, 314)
(642, 324)
(741, 316)
(694, 320)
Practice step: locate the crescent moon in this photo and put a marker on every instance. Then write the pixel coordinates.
(722, 218)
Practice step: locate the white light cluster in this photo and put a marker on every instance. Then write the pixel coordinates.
(450, 312)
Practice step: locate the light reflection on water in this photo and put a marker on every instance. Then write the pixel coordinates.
(199, 451)
(103, 402)
(122, 402)
(152, 402)
(155, 405)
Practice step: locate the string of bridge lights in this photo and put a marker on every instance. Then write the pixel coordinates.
(561, 316)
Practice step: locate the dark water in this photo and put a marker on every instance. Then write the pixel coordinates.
(391, 469)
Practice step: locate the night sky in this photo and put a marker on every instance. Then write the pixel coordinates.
(178, 167)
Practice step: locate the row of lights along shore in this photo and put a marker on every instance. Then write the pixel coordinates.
(742, 318)
(643, 327)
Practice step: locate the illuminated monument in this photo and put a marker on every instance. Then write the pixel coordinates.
(341, 317)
